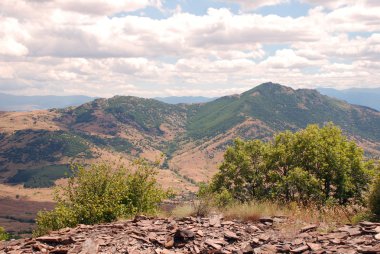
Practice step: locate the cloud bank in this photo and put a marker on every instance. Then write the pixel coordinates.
(103, 48)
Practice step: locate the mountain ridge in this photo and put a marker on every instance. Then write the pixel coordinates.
(192, 137)
(369, 97)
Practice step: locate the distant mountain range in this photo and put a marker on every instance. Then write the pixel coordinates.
(184, 99)
(10, 102)
(369, 97)
(28, 103)
(35, 147)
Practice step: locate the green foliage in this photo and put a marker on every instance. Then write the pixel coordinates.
(120, 144)
(316, 165)
(207, 199)
(3, 235)
(116, 143)
(374, 198)
(204, 203)
(62, 216)
(148, 114)
(85, 116)
(280, 108)
(40, 177)
(214, 117)
(41, 145)
(103, 194)
(143, 193)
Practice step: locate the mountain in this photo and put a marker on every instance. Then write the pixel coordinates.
(369, 97)
(28, 103)
(36, 147)
(184, 99)
(282, 108)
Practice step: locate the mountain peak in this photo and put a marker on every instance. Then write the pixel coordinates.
(269, 85)
(269, 88)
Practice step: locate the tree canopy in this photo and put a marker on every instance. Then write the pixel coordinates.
(316, 164)
(374, 198)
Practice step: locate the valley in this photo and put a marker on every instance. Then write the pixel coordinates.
(189, 140)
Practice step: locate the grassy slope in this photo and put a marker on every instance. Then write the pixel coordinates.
(283, 108)
(131, 125)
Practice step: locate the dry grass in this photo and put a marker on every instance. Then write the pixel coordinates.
(36, 194)
(327, 218)
(308, 214)
(295, 217)
(197, 208)
(36, 120)
(253, 211)
(17, 215)
(183, 210)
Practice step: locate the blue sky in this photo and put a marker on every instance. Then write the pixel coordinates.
(208, 47)
(288, 8)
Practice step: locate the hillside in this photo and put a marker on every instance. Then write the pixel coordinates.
(282, 108)
(37, 147)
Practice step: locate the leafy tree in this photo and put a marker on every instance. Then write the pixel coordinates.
(103, 194)
(374, 198)
(242, 171)
(3, 234)
(312, 165)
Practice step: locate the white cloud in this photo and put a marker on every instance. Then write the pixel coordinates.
(105, 7)
(86, 7)
(287, 58)
(83, 47)
(12, 37)
(8, 46)
(218, 31)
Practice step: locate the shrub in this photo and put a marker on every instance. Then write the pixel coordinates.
(314, 165)
(143, 193)
(207, 200)
(204, 203)
(3, 235)
(374, 198)
(102, 194)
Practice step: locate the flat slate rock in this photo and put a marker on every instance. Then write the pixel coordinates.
(144, 235)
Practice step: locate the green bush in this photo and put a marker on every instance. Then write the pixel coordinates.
(205, 201)
(3, 235)
(103, 194)
(314, 165)
(374, 198)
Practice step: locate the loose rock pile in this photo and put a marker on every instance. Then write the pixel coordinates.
(199, 235)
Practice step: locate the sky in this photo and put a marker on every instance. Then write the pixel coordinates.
(210, 48)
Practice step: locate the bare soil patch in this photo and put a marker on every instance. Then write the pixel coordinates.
(17, 215)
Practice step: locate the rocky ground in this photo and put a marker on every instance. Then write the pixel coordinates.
(200, 235)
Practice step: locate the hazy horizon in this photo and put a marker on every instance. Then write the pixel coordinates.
(190, 96)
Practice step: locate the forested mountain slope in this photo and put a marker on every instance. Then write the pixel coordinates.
(36, 147)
